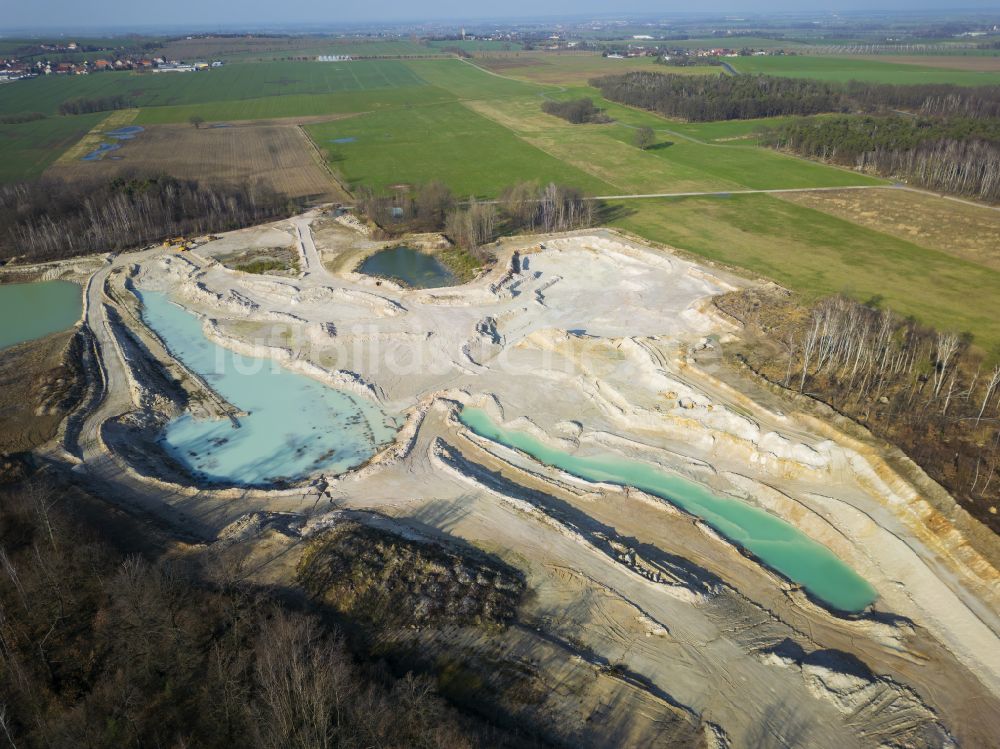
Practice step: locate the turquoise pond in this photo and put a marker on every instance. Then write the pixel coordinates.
(412, 267)
(776, 543)
(295, 425)
(34, 310)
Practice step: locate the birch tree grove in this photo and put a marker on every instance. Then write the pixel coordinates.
(960, 156)
(52, 218)
(740, 97)
(920, 388)
(522, 207)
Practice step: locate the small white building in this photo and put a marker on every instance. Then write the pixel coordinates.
(174, 67)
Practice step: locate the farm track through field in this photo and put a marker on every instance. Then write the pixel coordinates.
(726, 193)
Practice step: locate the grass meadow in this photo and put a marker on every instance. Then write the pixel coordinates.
(26, 150)
(673, 164)
(229, 83)
(449, 142)
(297, 105)
(561, 69)
(465, 80)
(817, 254)
(475, 45)
(844, 68)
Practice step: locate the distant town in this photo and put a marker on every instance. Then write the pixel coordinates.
(14, 68)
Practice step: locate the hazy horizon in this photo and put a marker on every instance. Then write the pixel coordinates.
(121, 15)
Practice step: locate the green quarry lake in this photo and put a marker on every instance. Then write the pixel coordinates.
(294, 425)
(774, 542)
(35, 310)
(414, 268)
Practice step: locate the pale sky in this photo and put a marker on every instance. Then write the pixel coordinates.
(248, 14)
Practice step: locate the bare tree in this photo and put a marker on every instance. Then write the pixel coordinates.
(808, 346)
(474, 225)
(302, 684)
(643, 138)
(945, 347)
(520, 203)
(990, 386)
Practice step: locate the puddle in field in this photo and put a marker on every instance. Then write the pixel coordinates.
(343, 140)
(98, 153)
(128, 132)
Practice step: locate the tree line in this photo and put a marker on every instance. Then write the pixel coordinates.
(928, 391)
(95, 104)
(103, 647)
(706, 98)
(54, 218)
(576, 111)
(472, 223)
(741, 97)
(19, 118)
(957, 155)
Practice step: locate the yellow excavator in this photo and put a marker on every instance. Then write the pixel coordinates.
(178, 243)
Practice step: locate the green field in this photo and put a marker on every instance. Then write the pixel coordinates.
(365, 48)
(299, 105)
(817, 254)
(675, 164)
(732, 132)
(230, 83)
(476, 45)
(600, 158)
(238, 92)
(479, 131)
(576, 69)
(467, 81)
(845, 68)
(449, 142)
(27, 149)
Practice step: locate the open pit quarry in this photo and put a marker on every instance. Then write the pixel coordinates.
(650, 625)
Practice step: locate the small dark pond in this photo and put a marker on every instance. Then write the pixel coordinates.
(409, 266)
(343, 140)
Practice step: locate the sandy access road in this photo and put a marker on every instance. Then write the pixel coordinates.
(589, 347)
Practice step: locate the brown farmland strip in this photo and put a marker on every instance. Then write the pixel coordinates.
(964, 231)
(275, 152)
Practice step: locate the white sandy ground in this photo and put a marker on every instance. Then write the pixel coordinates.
(589, 347)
